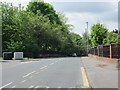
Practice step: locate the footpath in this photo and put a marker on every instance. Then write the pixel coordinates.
(100, 74)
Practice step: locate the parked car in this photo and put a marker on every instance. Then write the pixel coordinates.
(74, 55)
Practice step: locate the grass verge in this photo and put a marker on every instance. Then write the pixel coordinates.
(1, 58)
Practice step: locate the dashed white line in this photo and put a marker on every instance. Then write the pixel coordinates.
(6, 85)
(43, 67)
(29, 74)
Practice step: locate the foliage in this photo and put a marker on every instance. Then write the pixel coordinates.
(38, 27)
(111, 38)
(98, 34)
(44, 8)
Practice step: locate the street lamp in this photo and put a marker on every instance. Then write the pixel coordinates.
(87, 37)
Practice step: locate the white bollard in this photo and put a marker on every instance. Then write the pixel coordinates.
(18, 55)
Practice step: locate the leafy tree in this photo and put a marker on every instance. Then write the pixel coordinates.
(111, 38)
(37, 28)
(98, 34)
(46, 9)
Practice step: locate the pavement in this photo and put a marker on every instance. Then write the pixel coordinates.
(100, 74)
(44, 73)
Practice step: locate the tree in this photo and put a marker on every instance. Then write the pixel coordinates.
(46, 9)
(32, 30)
(98, 34)
(111, 38)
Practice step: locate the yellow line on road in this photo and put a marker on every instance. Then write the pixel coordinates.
(37, 87)
(23, 81)
(31, 86)
(58, 88)
(47, 87)
(71, 87)
(84, 76)
(13, 87)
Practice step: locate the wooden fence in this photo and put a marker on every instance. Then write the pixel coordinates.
(111, 51)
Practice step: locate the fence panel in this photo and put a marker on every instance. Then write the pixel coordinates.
(96, 51)
(116, 50)
(101, 51)
(111, 51)
(106, 51)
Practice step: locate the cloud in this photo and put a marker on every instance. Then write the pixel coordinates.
(82, 0)
(79, 19)
(79, 12)
(92, 7)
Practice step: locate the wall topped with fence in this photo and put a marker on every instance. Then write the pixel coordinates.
(111, 51)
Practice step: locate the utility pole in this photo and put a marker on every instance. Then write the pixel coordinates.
(87, 37)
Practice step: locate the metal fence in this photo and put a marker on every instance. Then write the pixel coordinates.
(111, 51)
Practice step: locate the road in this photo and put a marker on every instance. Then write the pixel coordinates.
(43, 73)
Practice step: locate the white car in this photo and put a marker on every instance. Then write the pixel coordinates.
(74, 55)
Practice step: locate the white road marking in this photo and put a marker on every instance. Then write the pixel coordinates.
(24, 62)
(43, 67)
(29, 74)
(6, 85)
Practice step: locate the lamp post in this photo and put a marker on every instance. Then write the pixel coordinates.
(87, 37)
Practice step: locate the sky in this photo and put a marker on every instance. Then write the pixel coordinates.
(79, 12)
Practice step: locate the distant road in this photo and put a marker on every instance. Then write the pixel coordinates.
(44, 73)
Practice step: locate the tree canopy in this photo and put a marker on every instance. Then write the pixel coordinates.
(38, 27)
(98, 34)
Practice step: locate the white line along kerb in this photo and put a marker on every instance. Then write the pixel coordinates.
(6, 85)
(29, 74)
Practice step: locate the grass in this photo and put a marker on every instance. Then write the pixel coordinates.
(22, 59)
(14, 59)
(1, 58)
(25, 58)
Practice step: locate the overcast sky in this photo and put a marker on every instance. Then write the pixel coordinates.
(79, 12)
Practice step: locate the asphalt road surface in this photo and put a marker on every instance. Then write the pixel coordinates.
(43, 73)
